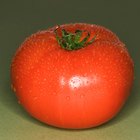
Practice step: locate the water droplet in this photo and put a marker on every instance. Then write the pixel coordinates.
(21, 87)
(54, 93)
(116, 83)
(19, 102)
(35, 98)
(45, 79)
(30, 91)
(17, 77)
(82, 96)
(13, 88)
(67, 97)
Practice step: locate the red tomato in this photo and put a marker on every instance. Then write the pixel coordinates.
(73, 76)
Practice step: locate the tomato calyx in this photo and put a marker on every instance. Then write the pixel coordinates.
(72, 41)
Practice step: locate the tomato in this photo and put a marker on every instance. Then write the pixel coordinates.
(72, 76)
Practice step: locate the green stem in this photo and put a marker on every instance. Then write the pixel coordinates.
(71, 41)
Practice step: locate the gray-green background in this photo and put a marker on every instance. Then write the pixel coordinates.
(19, 19)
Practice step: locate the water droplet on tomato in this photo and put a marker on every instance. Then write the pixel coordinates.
(45, 79)
(30, 91)
(67, 97)
(121, 51)
(116, 83)
(54, 93)
(20, 87)
(35, 98)
(17, 77)
(13, 88)
(82, 95)
(19, 102)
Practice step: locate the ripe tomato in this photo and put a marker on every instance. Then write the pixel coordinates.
(72, 76)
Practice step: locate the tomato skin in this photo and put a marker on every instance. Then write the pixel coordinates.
(72, 89)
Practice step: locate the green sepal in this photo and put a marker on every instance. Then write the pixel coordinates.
(71, 41)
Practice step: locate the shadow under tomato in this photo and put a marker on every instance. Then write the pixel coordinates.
(9, 100)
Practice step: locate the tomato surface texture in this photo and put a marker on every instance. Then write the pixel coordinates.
(69, 85)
